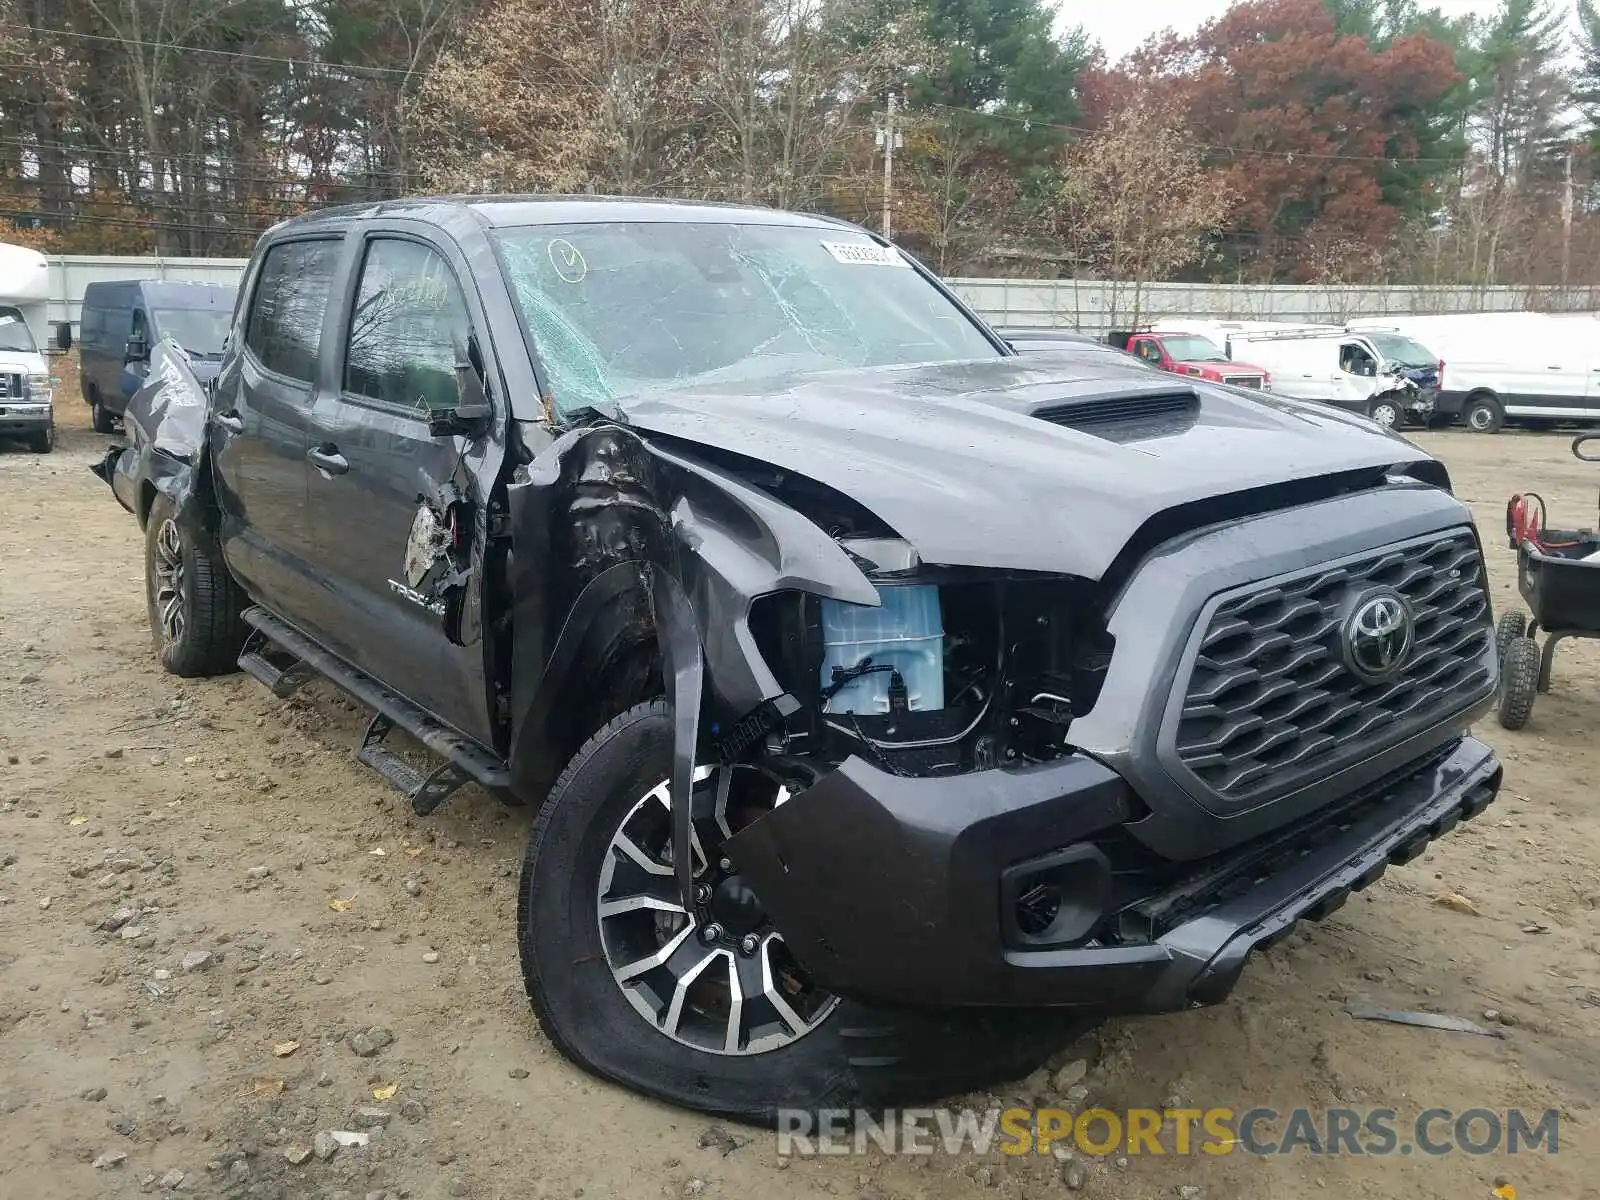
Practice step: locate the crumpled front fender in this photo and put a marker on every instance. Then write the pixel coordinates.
(607, 527)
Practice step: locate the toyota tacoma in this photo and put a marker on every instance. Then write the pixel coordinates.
(893, 705)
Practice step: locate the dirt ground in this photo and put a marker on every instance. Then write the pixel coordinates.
(223, 824)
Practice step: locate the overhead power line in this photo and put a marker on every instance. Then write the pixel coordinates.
(243, 55)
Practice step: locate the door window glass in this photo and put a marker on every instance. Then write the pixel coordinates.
(409, 321)
(1354, 360)
(285, 325)
(1149, 351)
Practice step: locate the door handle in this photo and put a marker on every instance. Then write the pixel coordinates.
(231, 421)
(328, 458)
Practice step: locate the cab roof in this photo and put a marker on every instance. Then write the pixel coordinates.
(509, 211)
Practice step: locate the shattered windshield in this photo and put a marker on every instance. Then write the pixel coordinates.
(200, 331)
(1402, 351)
(14, 333)
(615, 309)
(1194, 349)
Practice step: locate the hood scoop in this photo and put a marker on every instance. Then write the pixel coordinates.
(1127, 416)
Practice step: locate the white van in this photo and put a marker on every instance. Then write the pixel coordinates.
(1512, 366)
(1378, 373)
(26, 388)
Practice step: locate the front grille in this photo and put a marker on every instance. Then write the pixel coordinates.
(1270, 704)
(1244, 381)
(10, 387)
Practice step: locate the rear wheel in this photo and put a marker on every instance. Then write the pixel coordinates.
(193, 603)
(703, 1006)
(1483, 414)
(1519, 682)
(1508, 629)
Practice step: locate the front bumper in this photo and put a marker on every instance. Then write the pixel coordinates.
(21, 419)
(893, 889)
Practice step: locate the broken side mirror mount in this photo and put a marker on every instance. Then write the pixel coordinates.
(473, 412)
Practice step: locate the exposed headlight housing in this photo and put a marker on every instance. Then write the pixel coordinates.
(40, 389)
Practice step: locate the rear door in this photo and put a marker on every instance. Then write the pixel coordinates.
(376, 467)
(259, 427)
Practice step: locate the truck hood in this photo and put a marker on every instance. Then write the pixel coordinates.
(1019, 463)
(20, 362)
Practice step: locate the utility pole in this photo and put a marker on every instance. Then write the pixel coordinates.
(889, 139)
(1566, 224)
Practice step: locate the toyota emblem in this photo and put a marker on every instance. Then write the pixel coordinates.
(1378, 634)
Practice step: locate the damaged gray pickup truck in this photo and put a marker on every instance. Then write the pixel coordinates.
(894, 705)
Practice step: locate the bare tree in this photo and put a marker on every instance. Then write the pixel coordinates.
(1136, 202)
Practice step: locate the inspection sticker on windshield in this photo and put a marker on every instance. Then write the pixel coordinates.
(865, 256)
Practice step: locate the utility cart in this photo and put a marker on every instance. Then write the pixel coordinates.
(1558, 574)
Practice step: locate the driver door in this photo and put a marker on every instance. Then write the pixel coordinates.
(375, 468)
(1356, 380)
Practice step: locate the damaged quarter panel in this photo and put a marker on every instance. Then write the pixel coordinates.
(165, 426)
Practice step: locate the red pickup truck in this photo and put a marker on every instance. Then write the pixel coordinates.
(1190, 354)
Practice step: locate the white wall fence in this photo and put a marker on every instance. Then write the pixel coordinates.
(1096, 307)
(71, 273)
(1035, 303)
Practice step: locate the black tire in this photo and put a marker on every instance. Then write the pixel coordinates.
(1519, 680)
(1508, 629)
(104, 422)
(1483, 413)
(858, 1055)
(43, 443)
(1387, 413)
(196, 625)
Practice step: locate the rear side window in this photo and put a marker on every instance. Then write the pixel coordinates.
(285, 326)
(409, 319)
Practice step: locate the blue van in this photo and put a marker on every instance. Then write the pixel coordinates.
(122, 320)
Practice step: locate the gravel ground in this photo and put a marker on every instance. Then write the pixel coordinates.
(222, 940)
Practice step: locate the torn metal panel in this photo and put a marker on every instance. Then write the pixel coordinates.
(598, 522)
(165, 430)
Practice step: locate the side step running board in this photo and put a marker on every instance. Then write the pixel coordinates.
(280, 671)
(283, 658)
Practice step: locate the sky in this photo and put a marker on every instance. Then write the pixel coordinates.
(1121, 28)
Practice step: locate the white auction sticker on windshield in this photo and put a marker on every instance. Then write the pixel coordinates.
(858, 255)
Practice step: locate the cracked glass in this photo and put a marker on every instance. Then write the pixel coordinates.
(619, 309)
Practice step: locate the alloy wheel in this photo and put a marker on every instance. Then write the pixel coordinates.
(716, 976)
(169, 579)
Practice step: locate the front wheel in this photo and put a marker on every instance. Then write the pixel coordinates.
(103, 421)
(1483, 414)
(1509, 628)
(1387, 413)
(43, 442)
(702, 1005)
(194, 605)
